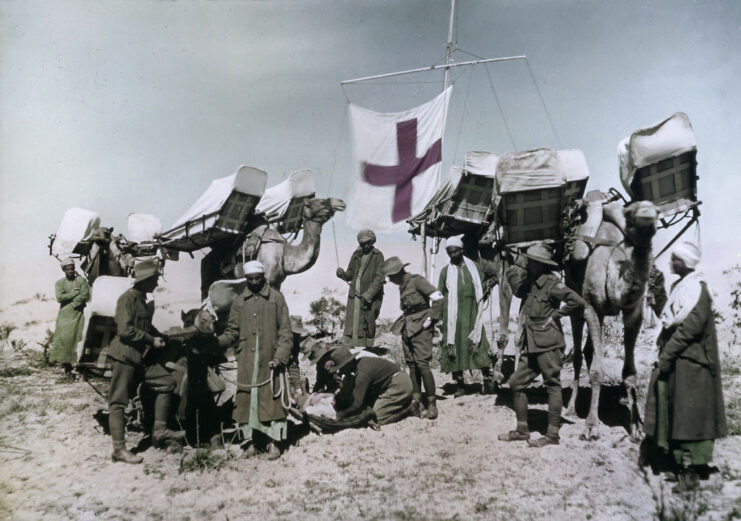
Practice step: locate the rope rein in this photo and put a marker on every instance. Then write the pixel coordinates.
(283, 386)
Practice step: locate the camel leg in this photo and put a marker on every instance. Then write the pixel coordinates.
(505, 303)
(596, 372)
(632, 319)
(577, 330)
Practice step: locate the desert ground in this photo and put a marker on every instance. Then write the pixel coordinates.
(55, 454)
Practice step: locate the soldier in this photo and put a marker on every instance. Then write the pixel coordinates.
(542, 339)
(377, 383)
(72, 293)
(364, 298)
(260, 322)
(463, 347)
(421, 304)
(134, 355)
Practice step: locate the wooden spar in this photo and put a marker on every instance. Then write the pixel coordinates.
(432, 68)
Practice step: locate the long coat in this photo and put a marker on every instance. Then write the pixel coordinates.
(688, 354)
(468, 308)
(371, 290)
(258, 321)
(72, 296)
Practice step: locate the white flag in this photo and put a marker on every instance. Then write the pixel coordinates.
(399, 157)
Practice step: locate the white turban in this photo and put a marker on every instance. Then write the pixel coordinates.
(688, 253)
(69, 261)
(456, 241)
(252, 267)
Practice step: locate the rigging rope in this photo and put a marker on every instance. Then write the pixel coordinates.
(463, 113)
(545, 107)
(496, 98)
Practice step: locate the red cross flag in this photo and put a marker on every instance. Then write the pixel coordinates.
(399, 157)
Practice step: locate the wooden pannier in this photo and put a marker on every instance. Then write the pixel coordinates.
(672, 181)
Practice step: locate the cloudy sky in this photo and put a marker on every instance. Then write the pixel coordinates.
(136, 106)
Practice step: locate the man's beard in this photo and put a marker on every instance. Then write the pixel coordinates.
(255, 288)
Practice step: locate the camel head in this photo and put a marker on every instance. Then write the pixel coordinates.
(640, 222)
(322, 210)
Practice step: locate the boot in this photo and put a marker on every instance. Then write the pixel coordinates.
(514, 436)
(431, 412)
(543, 441)
(160, 437)
(273, 451)
(489, 386)
(416, 408)
(250, 451)
(126, 456)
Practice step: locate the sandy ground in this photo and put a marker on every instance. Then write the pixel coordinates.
(55, 458)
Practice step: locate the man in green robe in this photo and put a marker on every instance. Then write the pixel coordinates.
(464, 338)
(72, 293)
(365, 295)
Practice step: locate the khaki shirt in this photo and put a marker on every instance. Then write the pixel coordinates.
(134, 325)
(414, 297)
(542, 301)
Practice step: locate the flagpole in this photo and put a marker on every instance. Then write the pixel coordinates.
(446, 83)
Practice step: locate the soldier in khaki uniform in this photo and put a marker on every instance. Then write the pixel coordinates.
(542, 339)
(421, 303)
(134, 353)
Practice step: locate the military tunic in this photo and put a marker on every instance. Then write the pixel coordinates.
(414, 297)
(132, 362)
(72, 296)
(365, 296)
(466, 318)
(258, 321)
(542, 336)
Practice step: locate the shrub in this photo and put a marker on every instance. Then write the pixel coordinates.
(326, 314)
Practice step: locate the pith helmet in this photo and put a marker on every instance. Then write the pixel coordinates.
(146, 269)
(540, 252)
(393, 265)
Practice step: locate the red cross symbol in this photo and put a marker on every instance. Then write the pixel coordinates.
(402, 174)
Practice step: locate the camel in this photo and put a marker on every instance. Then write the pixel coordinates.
(612, 280)
(280, 257)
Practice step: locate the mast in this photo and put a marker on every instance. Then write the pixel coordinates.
(448, 51)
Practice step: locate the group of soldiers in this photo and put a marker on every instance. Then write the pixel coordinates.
(267, 342)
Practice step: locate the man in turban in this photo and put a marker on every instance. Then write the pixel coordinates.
(72, 293)
(365, 295)
(259, 327)
(684, 407)
(464, 339)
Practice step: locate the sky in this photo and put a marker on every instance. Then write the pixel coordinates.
(134, 106)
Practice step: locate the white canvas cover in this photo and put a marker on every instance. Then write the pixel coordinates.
(649, 145)
(77, 225)
(398, 157)
(104, 295)
(573, 164)
(223, 292)
(481, 163)
(529, 170)
(276, 199)
(246, 180)
(143, 227)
